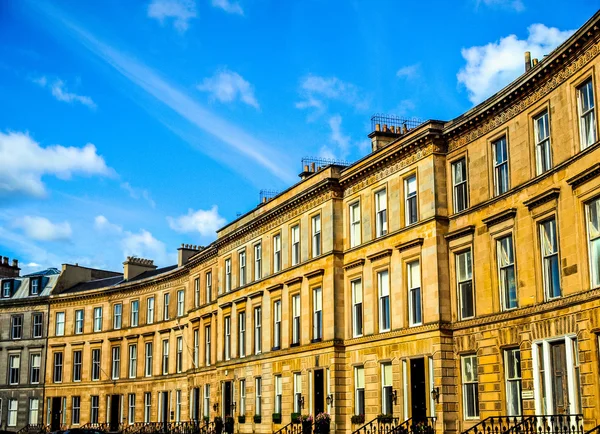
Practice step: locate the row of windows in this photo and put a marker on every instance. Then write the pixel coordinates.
(16, 326)
(13, 410)
(14, 368)
(9, 286)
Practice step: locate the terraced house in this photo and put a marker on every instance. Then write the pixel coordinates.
(450, 278)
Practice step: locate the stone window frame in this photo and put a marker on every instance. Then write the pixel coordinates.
(278, 233)
(385, 266)
(274, 301)
(311, 219)
(294, 224)
(355, 201)
(457, 246)
(575, 84)
(403, 194)
(583, 198)
(545, 212)
(374, 192)
(490, 141)
(533, 114)
(353, 275)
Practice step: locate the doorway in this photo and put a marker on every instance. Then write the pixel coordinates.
(227, 399)
(164, 411)
(55, 413)
(196, 404)
(115, 407)
(560, 382)
(319, 389)
(418, 390)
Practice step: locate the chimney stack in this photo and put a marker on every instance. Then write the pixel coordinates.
(133, 267)
(527, 61)
(185, 252)
(7, 270)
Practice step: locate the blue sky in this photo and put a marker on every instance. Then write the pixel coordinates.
(128, 128)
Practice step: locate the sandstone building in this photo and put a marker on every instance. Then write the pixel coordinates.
(453, 273)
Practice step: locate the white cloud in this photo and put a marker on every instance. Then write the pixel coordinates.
(205, 222)
(516, 5)
(409, 72)
(144, 245)
(138, 193)
(227, 86)
(316, 91)
(25, 162)
(60, 92)
(101, 223)
(337, 136)
(228, 6)
(41, 229)
(181, 11)
(490, 67)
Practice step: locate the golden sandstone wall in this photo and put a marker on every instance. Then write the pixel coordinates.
(488, 346)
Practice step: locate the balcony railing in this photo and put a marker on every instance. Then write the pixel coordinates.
(535, 424)
(595, 430)
(291, 428)
(416, 425)
(33, 428)
(379, 425)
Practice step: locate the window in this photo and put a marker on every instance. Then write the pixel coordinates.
(464, 275)
(470, 386)
(257, 261)
(460, 191)
(276, 253)
(501, 184)
(150, 310)
(97, 319)
(34, 287)
(317, 314)
(506, 272)
(227, 333)
(587, 114)
(258, 395)
(16, 326)
(359, 390)
(380, 213)
(148, 359)
(415, 312)
(295, 245)
(512, 367)
(357, 308)
(355, 238)
(94, 408)
(207, 351)
(278, 394)
(79, 321)
(593, 230)
(410, 199)
(147, 406)
(12, 412)
(14, 368)
(77, 362)
(549, 248)
(179, 357)
(227, 275)
(196, 292)
(132, 361)
(37, 324)
(34, 407)
(117, 316)
(177, 406)
(386, 388)
(206, 408)
(180, 302)
(131, 408)
(257, 330)
(135, 313)
(242, 397)
(277, 325)
(316, 235)
(116, 363)
(297, 392)
(165, 357)
(208, 287)
(96, 364)
(7, 288)
(75, 410)
(58, 367)
(383, 286)
(543, 156)
(166, 301)
(60, 324)
(196, 348)
(242, 334)
(34, 368)
(242, 264)
(296, 319)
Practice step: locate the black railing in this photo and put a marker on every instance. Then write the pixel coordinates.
(495, 425)
(33, 428)
(382, 119)
(416, 425)
(595, 430)
(291, 428)
(534, 424)
(379, 425)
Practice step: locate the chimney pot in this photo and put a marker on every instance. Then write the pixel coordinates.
(15, 263)
(312, 166)
(527, 61)
(5, 260)
(377, 127)
(535, 62)
(306, 167)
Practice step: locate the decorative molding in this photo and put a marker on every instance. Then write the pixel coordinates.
(240, 300)
(195, 319)
(500, 217)
(542, 198)
(417, 242)
(99, 341)
(458, 233)
(57, 345)
(276, 287)
(357, 263)
(255, 294)
(315, 273)
(225, 305)
(380, 255)
(586, 175)
(115, 338)
(131, 337)
(293, 281)
(207, 315)
(163, 331)
(145, 335)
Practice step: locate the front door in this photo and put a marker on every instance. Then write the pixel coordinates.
(560, 388)
(165, 409)
(115, 407)
(418, 395)
(319, 392)
(196, 408)
(55, 413)
(227, 398)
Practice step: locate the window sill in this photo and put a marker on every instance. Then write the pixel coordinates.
(276, 348)
(312, 341)
(295, 344)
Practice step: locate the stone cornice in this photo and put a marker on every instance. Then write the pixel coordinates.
(240, 300)
(293, 281)
(542, 198)
(315, 273)
(225, 305)
(417, 242)
(586, 175)
(462, 232)
(276, 287)
(380, 255)
(255, 294)
(356, 263)
(500, 217)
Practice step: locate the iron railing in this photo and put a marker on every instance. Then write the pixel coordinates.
(294, 427)
(534, 424)
(595, 430)
(416, 425)
(379, 425)
(394, 121)
(32, 428)
(323, 162)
